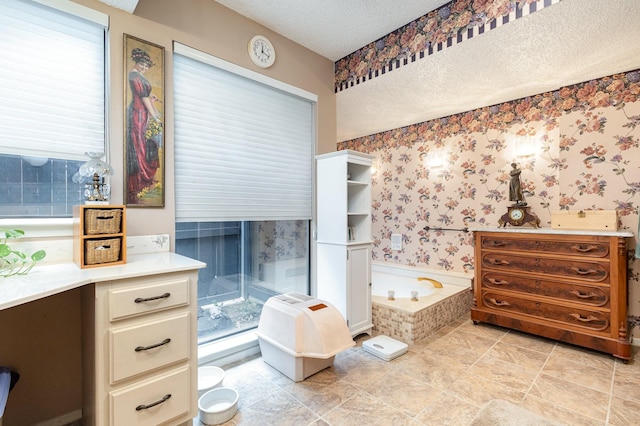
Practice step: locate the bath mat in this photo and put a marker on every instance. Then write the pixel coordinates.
(502, 413)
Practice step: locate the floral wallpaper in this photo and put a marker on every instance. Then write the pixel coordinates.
(448, 25)
(586, 145)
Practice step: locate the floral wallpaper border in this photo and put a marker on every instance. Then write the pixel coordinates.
(453, 23)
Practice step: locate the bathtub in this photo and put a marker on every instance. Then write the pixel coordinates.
(412, 321)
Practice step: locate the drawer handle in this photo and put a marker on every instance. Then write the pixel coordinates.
(149, 299)
(495, 243)
(583, 295)
(497, 282)
(584, 249)
(581, 271)
(499, 303)
(498, 262)
(579, 317)
(157, 345)
(153, 404)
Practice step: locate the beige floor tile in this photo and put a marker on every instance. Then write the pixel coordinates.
(403, 392)
(583, 356)
(558, 413)
(579, 372)
(447, 409)
(626, 386)
(506, 373)
(534, 343)
(486, 330)
(361, 369)
(527, 358)
(321, 396)
(470, 341)
(479, 390)
(279, 409)
(364, 409)
(624, 412)
(571, 396)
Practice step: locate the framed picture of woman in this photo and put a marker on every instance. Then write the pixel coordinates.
(144, 115)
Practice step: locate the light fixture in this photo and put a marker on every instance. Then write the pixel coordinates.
(95, 176)
(435, 159)
(525, 146)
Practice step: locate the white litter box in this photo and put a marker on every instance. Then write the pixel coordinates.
(300, 335)
(385, 347)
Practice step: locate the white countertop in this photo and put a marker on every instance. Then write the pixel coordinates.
(48, 279)
(525, 230)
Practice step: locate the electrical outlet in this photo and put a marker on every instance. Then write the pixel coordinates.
(396, 242)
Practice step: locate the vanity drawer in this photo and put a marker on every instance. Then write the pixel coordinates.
(146, 346)
(596, 272)
(152, 402)
(151, 296)
(576, 247)
(592, 295)
(592, 320)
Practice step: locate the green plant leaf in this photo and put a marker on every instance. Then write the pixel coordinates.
(12, 233)
(39, 255)
(5, 250)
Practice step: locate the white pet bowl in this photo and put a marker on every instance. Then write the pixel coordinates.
(209, 377)
(218, 405)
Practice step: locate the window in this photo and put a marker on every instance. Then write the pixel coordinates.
(52, 103)
(243, 164)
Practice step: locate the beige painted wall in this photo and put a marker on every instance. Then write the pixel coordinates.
(42, 339)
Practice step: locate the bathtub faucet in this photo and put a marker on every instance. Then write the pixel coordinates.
(436, 284)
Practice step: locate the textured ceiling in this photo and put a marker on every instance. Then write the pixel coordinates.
(333, 28)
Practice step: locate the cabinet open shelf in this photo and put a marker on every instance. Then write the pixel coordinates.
(99, 235)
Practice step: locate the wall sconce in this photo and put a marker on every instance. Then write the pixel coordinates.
(375, 166)
(525, 147)
(435, 159)
(95, 176)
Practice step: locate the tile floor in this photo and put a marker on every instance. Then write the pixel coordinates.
(444, 381)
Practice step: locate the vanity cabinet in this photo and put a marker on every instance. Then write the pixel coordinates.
(568, 286)
(344, 236)
(140, 350)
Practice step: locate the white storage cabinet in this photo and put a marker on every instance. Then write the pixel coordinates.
(344, 235)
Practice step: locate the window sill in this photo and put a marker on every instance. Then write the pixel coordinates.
(230, 350)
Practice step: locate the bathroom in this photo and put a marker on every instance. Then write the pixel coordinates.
(428, 206)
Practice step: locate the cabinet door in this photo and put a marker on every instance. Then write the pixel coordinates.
(359, 288)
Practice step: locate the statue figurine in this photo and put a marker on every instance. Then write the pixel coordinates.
(515, 187)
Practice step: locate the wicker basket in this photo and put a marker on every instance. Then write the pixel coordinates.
(101, 221)
(101, 251)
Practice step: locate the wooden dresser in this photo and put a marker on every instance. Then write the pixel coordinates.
(565, 285)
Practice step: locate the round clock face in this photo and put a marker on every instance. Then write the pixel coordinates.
(516, 214)
(261, 51)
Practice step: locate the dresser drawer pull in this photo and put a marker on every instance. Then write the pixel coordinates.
(498, 262)
(499, 303)
(579, 317)
(495, 243)
(157, 345)
(583, 295)
(581, 271)
(584, 249)
(153, 404)
(149, 299)
(497, 282)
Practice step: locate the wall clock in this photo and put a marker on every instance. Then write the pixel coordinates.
(261, 51)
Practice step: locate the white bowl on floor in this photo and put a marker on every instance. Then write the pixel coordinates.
(209, 377)
(218, 405)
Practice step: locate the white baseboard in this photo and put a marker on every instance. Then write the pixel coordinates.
(65, 419)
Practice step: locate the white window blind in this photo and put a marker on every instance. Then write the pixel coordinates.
(52, 84)
(243, 149)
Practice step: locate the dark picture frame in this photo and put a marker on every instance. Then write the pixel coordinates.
(144, 93)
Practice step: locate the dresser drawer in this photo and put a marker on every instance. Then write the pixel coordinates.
(146, 346)
(586, 248)
(583, 318)
(585, 271)
(592, 295)
(152, 402)
(142, 298)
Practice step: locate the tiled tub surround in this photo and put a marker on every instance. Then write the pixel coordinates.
(414, 321)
